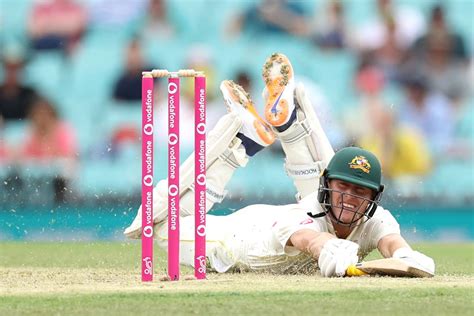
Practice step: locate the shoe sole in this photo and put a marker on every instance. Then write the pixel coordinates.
(240, 96)
(276, 80)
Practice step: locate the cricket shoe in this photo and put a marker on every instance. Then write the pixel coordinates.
(238, 101)
(279, 81)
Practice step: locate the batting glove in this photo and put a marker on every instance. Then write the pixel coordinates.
(336, 256)
(415, 259)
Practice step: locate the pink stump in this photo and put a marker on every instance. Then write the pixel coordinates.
(200, 177)
(173, 178)
(147, 178)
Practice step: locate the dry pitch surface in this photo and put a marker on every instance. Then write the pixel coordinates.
(60, 281)
(104, 278)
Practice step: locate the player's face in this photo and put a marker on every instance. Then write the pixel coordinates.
(349, 201)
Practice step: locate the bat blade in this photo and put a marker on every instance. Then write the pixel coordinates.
(386, 267)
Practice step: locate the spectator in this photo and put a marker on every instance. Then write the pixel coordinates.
(440, 55)
(439, 31)
(242, 78)
(402, 150)
(115, 15)
(369, 83)
(445, 75)
(15, 98)
(56, 25)
(329, 26)
(157, 24)
(51, 142)
(390, 54)
(272, 17)
(128, 86)
(408, 24)
(200, 57)
(430, 112)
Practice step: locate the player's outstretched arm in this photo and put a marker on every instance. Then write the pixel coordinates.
(389, 243)
(395, 246)
(310, 241)
(334, 255)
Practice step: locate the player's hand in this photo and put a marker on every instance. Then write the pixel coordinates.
(336, 256)
(415, 259)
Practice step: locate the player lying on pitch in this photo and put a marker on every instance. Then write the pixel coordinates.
(337, 220)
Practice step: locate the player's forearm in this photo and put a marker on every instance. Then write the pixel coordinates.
(390, 243)
(310, 241)
(316, 245)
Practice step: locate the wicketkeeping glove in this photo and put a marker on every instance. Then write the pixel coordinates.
(336, 256)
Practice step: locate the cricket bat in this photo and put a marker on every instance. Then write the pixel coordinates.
(388, 267)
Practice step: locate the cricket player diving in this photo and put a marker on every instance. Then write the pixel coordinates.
(337, 219)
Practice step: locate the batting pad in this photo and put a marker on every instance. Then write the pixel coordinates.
(224, 153)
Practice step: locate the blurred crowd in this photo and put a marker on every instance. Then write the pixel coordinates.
(410, 95)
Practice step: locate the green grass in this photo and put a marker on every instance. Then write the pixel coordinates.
(308, 302)
(71, 254)
(103, 278)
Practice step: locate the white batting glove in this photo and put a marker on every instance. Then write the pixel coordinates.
(336, 256)
(415, 259)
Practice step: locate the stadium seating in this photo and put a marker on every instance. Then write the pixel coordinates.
(81, 87)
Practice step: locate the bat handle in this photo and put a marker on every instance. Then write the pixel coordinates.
(352, 270)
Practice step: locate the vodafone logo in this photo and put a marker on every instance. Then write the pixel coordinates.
(173, 190)
(148, 129)
(201, 179)
(201, 230)
(172, 88)
(148, 231)
(148, 180)
(201, 128)
(173, 139)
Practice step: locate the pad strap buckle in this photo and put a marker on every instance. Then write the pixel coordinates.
(298, 131)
